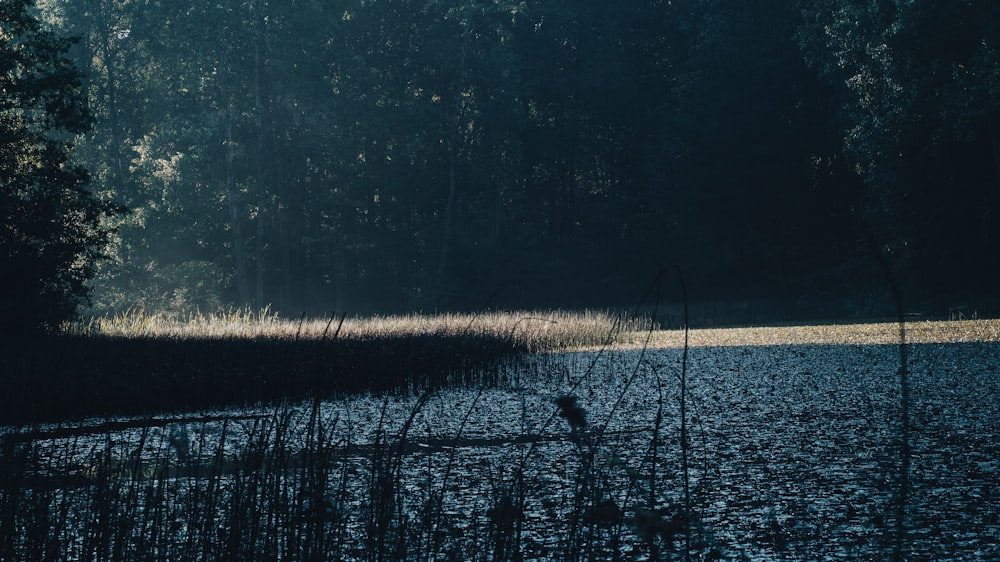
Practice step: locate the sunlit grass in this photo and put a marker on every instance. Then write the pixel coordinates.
(883, 333)
(529, 330)
(139, 363)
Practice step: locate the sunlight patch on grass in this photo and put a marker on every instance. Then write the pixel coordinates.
(838, 334)
(530, 330)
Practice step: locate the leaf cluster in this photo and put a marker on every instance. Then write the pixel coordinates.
(51, 233)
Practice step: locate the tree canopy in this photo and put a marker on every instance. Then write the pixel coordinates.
(51, 233)
(394, 155)
(920, 123)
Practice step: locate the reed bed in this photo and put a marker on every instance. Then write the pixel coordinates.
(137, 364)
(524, 330)
(306, 491)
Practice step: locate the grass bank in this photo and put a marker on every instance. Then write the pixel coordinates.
(137, 364)
(874, 333)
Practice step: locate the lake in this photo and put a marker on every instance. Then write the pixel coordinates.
(793, 454)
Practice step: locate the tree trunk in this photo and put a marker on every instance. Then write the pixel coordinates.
(452, 148)
(258, 161)
(239, 249)
(995, 139)
(114, 112)
(449, 210)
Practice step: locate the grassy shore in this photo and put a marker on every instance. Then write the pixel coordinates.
(877, 333)
(521, 330)
(139, 364)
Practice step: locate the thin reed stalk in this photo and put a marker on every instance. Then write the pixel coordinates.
(903, 477)
(684, 432)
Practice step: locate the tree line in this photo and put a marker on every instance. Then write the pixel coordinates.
(391, 155)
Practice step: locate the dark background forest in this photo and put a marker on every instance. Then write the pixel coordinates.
(381, 156)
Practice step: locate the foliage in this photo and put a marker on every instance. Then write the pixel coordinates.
(919, 116)
(392, 156)
(52, 231)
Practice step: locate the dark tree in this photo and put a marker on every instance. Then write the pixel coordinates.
(51, 230)
(399, 155)
(920, 109)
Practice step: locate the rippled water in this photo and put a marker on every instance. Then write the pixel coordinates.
(794, 451)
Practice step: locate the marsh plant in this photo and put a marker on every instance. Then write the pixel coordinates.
(305, 490)
(138, 364)
(527, 330)
(283, 495)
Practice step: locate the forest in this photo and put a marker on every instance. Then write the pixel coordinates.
(386, 156)
(392, 280)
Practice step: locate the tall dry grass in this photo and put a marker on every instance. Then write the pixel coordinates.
(528, 330)
(140, 364)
